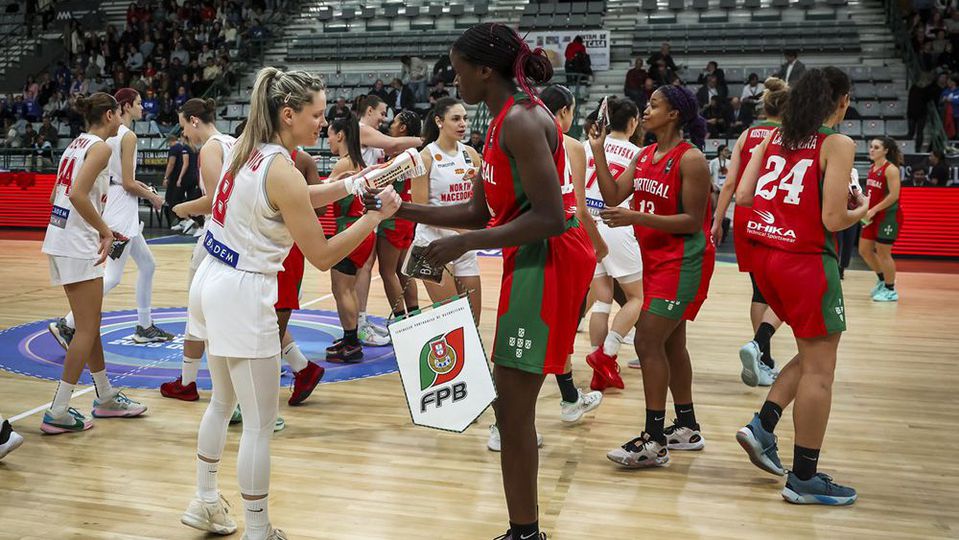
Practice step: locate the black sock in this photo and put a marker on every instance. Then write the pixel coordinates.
(655, 421)
(763, 334)
(891, 286)
(805, 461)
(567, 388)
(411, 309)
(5, 431)
(399, 313)
(349, 337)
(881, 277)
(769, 415)
(530, 530)
(685, 415)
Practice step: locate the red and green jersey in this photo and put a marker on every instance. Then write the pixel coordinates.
(787, 208)
(675, 266)
(754, 136)
(877, 189)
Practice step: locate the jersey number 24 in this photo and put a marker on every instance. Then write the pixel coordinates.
(791, 184)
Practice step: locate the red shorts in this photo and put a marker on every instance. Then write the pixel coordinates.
(803, 289)
(884, 228)
(544, 284)
(357, 259)
(289, 279)
(741, 243)
(398, 232)
(676, 310)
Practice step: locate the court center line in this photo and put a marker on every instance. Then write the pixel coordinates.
(46, 406)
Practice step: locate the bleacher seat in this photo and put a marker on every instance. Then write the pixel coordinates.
(897, 128)
(234, 111)
(141, 129)
(853, 128)
(649, 5)
(873, 128)
(887, 91)
(862, 146)
(868, 109)
(864, 91)
(860, 73)
(893, 109)
(907, 147)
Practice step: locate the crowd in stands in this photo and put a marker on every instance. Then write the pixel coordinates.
(934, 29)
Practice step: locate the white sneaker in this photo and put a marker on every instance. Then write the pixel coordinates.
(572, 412)
(368, 335)
(640, 453)
(494, 443)
(275, 534)
(630, 337)
(684, 438)
(634, 364)
(117, 406)
(198, 232)
(14, 440)
(210, 517)
(186, 225)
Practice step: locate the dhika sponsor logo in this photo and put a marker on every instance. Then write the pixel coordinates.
(765, 226)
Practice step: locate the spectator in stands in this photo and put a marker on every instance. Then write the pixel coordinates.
(438, 92)
(715, 115)
(661, 74)
(476, 141)
(379, 90)
(712, 69)
(97, 85)
(917, 107)
(635, 83)
(176, 169)
(48, 131)
(752, 91)
(401, 97)
(180, 53)
(211, 70)
(928, 60)
(31, 88)
(578, 64)
(663, 54)
(709, 90)
(29, 135)
(31, 110)
(414, 73)
(739, 117)
(339, 110)
(13, 138)
(792, 69)
(949, 98)
(151, 105)
(134, 58)
(443, 70)
(938, 170)
(181, 96)
(56, 106)
(79, 85)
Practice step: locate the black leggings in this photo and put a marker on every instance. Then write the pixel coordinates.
(757, 294)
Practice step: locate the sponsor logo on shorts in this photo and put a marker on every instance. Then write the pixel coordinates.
(58, 217)
(887, 230)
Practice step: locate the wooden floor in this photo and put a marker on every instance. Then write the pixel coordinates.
(350, 465)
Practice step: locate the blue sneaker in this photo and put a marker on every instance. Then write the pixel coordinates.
(760, 446)
(819, 489)
(880, 285)
(885, 295)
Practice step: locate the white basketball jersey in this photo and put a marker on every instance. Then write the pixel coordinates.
(451, 175)
(372, 155)
(619, 154)
(226, 142)
(245, 231)
(122, 212)
(68, 234)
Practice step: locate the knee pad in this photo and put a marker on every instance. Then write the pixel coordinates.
(601, 307)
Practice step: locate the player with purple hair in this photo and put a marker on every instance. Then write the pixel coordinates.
(671, 220)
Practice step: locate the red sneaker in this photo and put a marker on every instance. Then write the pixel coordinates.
(606, 366)
(598, 383)
(176, 390)
(304, 381)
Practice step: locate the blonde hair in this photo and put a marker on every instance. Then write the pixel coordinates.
(273, 90)
(774, 97)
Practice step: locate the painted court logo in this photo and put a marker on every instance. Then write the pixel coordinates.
(441, 359)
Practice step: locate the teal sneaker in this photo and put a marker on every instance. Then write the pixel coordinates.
(760, 446)
(70, 421)
(880, 285)
(886, 295)
(820, 489)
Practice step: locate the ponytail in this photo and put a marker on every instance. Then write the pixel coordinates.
(431, 132)
(203, 109)
(774, 96)
(349, 126)
(272, 91)
(811, 101)
(93, 107)
(500, 48)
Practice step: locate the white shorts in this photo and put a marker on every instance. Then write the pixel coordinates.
(67, 270)
(233, 311)
(623, 262)
(199, 253)
(465, 266)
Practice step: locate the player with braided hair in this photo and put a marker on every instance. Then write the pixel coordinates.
(670, 217)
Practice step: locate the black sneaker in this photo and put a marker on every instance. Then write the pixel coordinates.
(153, 334)
(61, 332)
(346, 354)
(509, 536)
(684, 438)
(334, 349)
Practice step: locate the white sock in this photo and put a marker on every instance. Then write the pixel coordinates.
(191, 366)
(61, 398)
(257, 518)
(102, 383)
(361, 319)
(206, 489)
(143, 318)
(292, 356)
(612, 343)
(71, 322)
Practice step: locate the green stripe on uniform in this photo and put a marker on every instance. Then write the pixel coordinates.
(521, 335)
(889, 226)
(833, 309)
(691, 269)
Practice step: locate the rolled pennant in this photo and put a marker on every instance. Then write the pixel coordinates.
(404, 166)
(602, 117)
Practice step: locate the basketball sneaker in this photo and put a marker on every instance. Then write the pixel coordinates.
(345, 354)
(760, 446)
(494, 444)
(153, 334)
(305, 381)
(70, 421)
(177, 390)
(572, 412)
(210, 517)
(820, 489)
(606, 366)
(640, 453)
(370, 336)
(755, 372)
(597, 384)
(278, 425)
(61, 332)
(684, 438)
(117, 406)
(634, 364)
(275, 534)
(885, 295)
(378, 328)
(509, 536)
(880, 285)
(10, 440)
